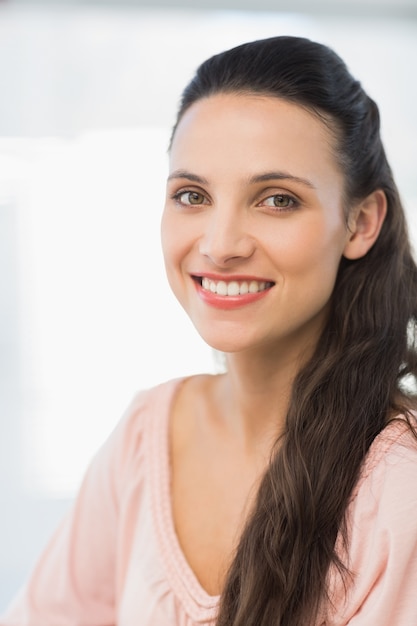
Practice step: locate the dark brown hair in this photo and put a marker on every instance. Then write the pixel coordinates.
(364, 361)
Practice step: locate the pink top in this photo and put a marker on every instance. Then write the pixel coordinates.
(116, 558)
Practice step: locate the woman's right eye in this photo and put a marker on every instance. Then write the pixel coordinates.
(193, 198)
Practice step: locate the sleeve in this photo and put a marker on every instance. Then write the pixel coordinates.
(383, 546)
(74, 581)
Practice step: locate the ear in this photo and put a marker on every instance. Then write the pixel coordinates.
(365, 223)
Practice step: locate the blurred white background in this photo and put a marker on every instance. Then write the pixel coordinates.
(88, 96)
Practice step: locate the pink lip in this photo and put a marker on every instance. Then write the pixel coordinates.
(229, 277)
(228, 303)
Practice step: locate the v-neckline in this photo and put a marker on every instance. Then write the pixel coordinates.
(200, 605)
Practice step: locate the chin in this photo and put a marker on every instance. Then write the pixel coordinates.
(228, 342)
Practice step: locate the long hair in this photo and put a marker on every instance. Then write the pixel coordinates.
(358, 377)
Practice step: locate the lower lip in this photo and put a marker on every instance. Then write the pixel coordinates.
(228, 303)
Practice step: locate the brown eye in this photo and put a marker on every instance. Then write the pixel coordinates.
(281, 201)
(191, 197)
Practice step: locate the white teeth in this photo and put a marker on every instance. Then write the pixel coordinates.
(221, 288)
(234, 288)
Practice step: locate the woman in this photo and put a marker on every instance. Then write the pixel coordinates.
(281, 492)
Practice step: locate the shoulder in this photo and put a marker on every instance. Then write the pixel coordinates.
(390, 464)
(385, 496)
(123, 452)
(382, 515)
(149, 404)
(381, 549)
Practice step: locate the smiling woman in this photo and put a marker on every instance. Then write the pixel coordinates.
(259, 220)
(282, 491)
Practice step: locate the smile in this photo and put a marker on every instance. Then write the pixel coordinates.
(234, 287)
(231, 294)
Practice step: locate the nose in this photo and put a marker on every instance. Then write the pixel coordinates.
(226, 240)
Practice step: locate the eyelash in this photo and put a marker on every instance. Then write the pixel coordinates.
(293, 203)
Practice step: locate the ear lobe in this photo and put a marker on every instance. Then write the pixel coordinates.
(365, 224)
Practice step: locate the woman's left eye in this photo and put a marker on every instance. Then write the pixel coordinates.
(280, 201)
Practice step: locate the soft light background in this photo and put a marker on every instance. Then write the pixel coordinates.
(88, 96)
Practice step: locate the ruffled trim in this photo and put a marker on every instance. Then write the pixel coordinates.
(197, 603)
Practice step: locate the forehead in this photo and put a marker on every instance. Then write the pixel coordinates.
(247, 131)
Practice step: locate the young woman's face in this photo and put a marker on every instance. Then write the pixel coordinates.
(253, 228)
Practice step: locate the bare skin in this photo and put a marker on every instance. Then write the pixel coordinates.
(214, 480)
(223, 429)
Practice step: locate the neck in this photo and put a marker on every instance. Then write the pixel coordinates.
(254, 396)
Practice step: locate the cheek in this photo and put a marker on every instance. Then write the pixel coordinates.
(176, 244)
(310, 251)
(169, 238)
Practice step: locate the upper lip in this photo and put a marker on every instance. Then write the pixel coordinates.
(231, 277)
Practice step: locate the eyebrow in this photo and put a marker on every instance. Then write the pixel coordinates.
(257, 178)
(262, 178)
(188, 176)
